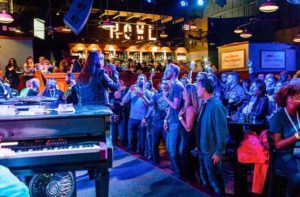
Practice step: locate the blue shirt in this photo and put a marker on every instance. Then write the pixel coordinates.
(138, 108)
(159, 106)
(176, 92)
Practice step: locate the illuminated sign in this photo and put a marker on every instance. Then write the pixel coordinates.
(233, 60)
(128, 30)
(272, 59)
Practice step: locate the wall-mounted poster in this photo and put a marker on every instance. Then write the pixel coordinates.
(272, 59)
(233, 60)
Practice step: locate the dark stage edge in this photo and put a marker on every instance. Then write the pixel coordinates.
(131, 176)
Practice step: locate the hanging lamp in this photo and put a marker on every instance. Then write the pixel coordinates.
(163, 35)
(246, 34)
(107, 24)
(295, 2)
(297, 39)
(238, 30)
(268, 7)
(5, 17)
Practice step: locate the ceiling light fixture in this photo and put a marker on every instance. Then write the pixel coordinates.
(295, 2)
(6, 17)
(107, 24)
(297, 38)
(268, 7)
(246, 34)
(193, 26)
(163, 35)
(238, 30)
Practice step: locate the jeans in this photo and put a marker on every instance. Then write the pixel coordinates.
(148, 142)
(10, 186)
(173, 142)
(119, 129)
(157, 132)
(210, 174)
(136, 136)
(290, 167)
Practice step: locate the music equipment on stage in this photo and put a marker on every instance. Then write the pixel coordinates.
(78, 15)
(47, 145)
(52, 185)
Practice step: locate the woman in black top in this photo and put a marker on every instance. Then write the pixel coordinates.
(11, 73)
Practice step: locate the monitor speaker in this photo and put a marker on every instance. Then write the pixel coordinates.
(78, 15)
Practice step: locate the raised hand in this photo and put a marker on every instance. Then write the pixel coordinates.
(192, 65)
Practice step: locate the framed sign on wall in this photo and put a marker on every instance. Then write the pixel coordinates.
(272, 59)
(233, 60)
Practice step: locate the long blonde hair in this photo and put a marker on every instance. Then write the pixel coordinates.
(192, 97)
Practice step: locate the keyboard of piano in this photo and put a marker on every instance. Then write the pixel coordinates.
(54, 143)
(41, 156)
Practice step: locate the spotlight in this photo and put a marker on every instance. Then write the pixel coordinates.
(183, 3)
(200, 2)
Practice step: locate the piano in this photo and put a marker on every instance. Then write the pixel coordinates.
(58, 142)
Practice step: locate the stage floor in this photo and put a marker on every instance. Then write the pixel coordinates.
(131, 176)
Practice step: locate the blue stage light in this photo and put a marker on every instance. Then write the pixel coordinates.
(200, 2)
(149, 1)
(183, 3)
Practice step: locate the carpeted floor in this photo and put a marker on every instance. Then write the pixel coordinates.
(131, 176)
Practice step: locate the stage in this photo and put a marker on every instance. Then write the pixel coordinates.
(131, 176)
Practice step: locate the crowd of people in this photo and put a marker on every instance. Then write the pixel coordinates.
(190, 116)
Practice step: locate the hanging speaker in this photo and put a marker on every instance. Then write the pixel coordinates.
(296, 2)
(78, 15)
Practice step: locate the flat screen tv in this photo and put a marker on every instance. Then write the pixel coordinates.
(272, 59)
(39, 28)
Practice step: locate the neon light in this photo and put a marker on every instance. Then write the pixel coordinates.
(140, 32)
(127, 31)
(150, 33)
